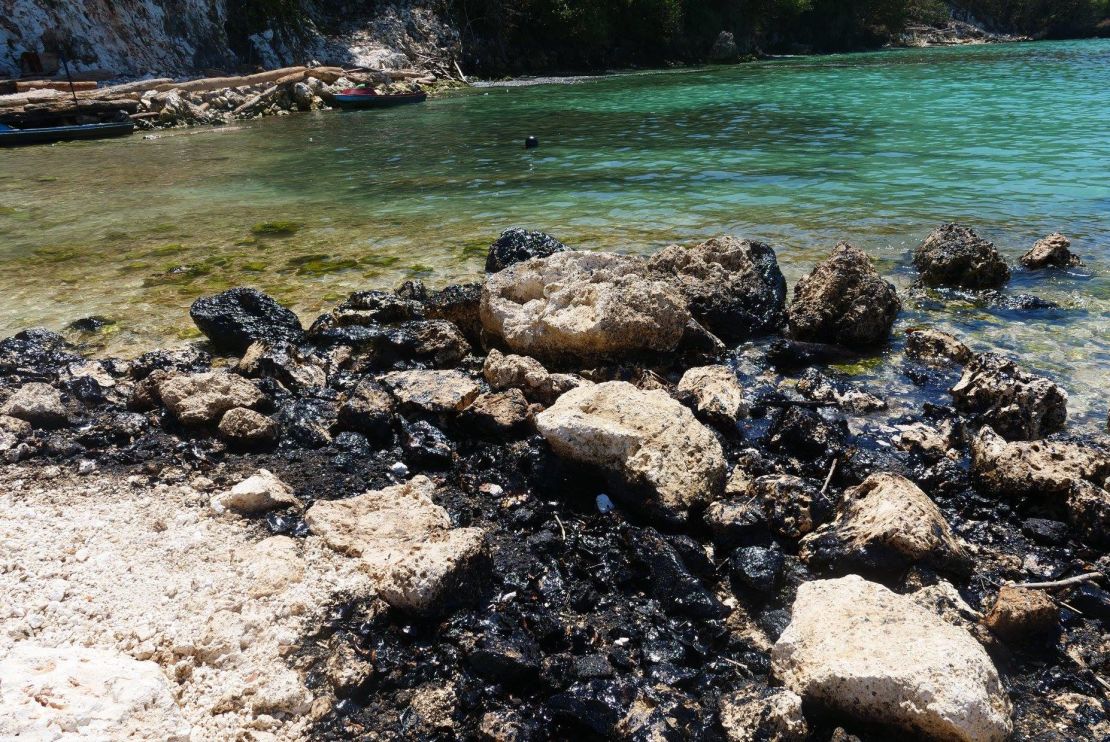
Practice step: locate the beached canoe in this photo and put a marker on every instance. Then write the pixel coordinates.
(352, 100)
(10, 137)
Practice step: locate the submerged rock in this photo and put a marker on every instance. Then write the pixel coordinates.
(936, 348)
(883, 526)
(202, 399)
(734, 287)
(235, 318)
(38, 404)
(583, 305)
(845, 301)
(659, 454)
(517, 245)
(1051, 251)
(857, 648)
(715, 394)
(954, 255)
(1016, 403)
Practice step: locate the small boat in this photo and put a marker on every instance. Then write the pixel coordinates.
(369, 98)
(10, 137)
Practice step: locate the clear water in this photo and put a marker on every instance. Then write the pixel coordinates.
(874, 148)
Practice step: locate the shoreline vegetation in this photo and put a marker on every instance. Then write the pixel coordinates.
(591, 495)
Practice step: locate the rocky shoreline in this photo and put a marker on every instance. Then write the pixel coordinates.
(593, 495)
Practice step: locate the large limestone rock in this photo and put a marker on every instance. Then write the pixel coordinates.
(844, 301)
(1052, 251)
(883, 525)
(862, 650)
(659, 454)
(406, 543)
(583, 305)
(954, 255)
(202, 399)
(1020, 406)
(734, 287)
(80, 693)
(235, 318)
(38, 404)
(1037, 468)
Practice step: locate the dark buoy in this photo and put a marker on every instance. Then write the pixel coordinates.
(531, 143)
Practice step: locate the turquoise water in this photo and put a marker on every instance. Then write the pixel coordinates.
(803, 152)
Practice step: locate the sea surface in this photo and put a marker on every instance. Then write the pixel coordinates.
(802, 152)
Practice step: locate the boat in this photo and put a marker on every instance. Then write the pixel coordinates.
(10, 137)
(352, 98)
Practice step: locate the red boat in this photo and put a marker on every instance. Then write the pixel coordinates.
(370, 98)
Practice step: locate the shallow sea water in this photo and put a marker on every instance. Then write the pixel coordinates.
(803, 152)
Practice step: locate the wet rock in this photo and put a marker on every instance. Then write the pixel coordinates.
(883, 526)
(1016, 302)
(820, 388)
(527, 374)
(235, 318)
(406, 544)
(757, 568)
(926, 441)
(1017, 404)
(368, 409)
(506, 726)
(670, 581)
(737, 521)
(202, 399)
(1043, 531)
(756, 714)
(436, 342)
(458, 304)
(505, 659)
(284, 363)
(38, 404)
(80, 692)
(425, 445)
(792, 505)
(714, 393)
(256, 494)
(496, 414)
(661, 457)
(431, 392)
(862, 650)
(1037, 468)
(517, 245)
(804, 433)
(1089, 512)
(1051, 251)
(954, 255)
(843, 301)
(1019, 613)
(583, 305)
(936, 348)
(596, 705)
(789, 355)
(247, 427)
(36, 352)
(308, 422)
(734, 287)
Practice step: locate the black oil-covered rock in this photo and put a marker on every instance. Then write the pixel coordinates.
(954, 255)
(235, 318)
(517, 245)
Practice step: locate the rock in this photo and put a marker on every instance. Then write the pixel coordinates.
(737, 522)
(517, 245)
(435, 342)
(954, 255)
(83, 693)
(1052, 251)
(431, 392)
(256, 494)
(761, 714)
(309, 421)
(38, 404)
(715, 394)
(368, 409)
(527, 374)
(883, 526)
(584, 306)
(235, 318)
(406, 543)
(804, 433)
(1037, 468)
(1044, 531)
(757, 568)
(346, 670)
(1089, 512)
(284, 363)
(202, 399)
(820, 388)
(505, 659)
(670, 581)
(496, 414)
(1017, 404)
(15, 426)
(244, 426)
(433, 706)
(793, 507)
(1020, 613)
(859, 649)
(843, 301)
(724, 49)
(926, 441)
(734, 287)
(458, 304)
(273, 564)
(660, 456)
(936, 348)
(788, 355)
